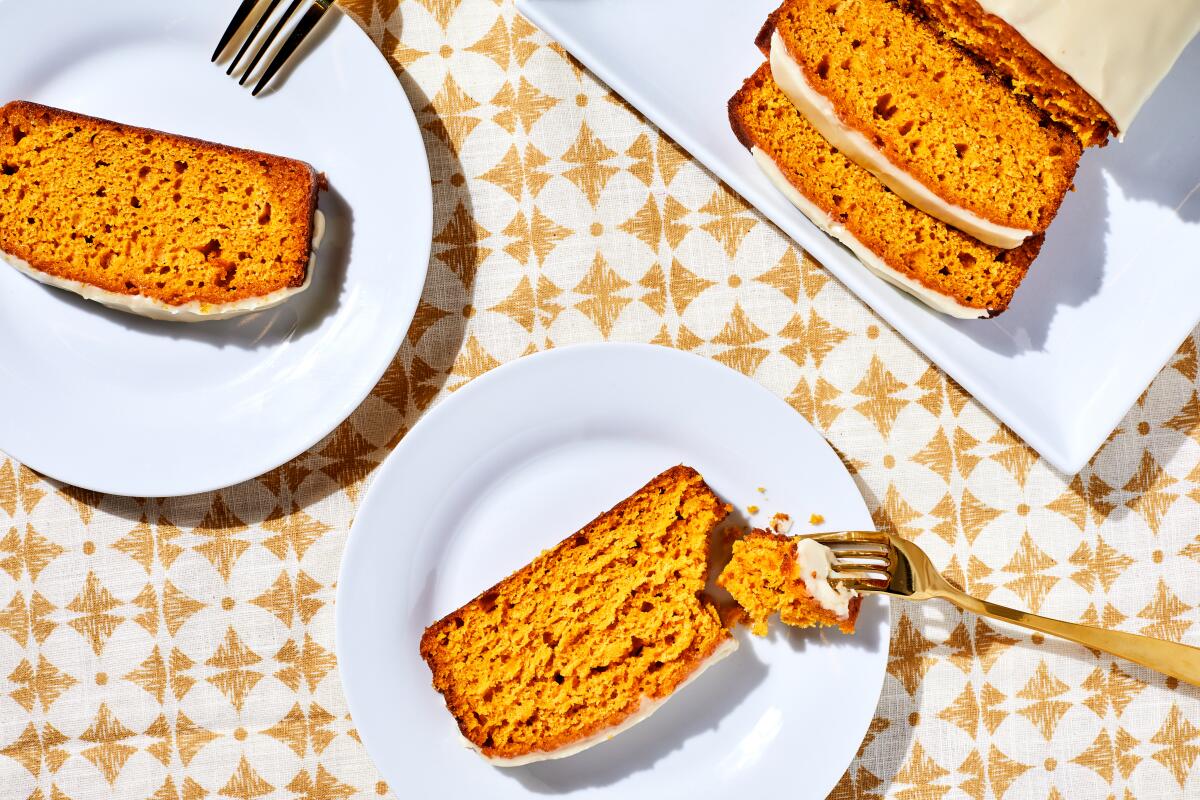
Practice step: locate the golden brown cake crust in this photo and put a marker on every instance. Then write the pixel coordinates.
(930, 110)
(763, 39)
(764, 578)
(1027, 70)
(997, 46)
(916, 245)
(542, 669)
(135, 211)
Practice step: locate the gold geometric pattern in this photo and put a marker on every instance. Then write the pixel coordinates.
(731, 220)
(232, 675)
(185, 646)
(1049, 708)
(1179, 748)
(602, 288)
(109, 739)
(1032, 565)
(43, 685)
(909, 659)
(923, 773)
(93, 604)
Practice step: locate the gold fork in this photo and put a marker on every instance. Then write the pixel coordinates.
(869, 561)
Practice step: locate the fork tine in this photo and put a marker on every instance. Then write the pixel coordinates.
(868, 574)
(303, 28)
(258, 26)
(844, 569)
(262, 51)
(851, 537)
(864, 586)
(862, 560)
(839, 552)
(239, 17)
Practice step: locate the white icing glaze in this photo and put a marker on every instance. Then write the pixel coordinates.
(1116, 50)
(854, 145)
(194, 311)
(646, 708)
(814, 562)
(935, 300)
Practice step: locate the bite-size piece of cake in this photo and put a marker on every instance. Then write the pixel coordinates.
(771, 573)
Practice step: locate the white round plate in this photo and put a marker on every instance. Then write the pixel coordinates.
(121, 404)
(523, 457)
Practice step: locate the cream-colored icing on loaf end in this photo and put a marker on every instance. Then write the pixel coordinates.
(935, 300)
(188, 312)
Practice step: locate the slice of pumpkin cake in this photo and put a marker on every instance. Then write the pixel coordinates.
(923, 116)
(592, 636)
(152, 223)
(770, 573)
(943, 267)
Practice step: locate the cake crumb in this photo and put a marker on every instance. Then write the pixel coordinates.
(752, 509)
(816, 519)
(762, 490)
(781, 523)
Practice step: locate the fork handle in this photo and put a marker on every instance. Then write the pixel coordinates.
(1180, 661)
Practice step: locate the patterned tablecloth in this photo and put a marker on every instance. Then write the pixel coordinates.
(184, 648)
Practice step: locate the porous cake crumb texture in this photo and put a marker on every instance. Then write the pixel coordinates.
(1028, 71)
(764, 578)
(916, 245)
(138, 212)
(929, 107)
(572, 644)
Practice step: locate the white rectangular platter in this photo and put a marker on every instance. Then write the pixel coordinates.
(1114, 292)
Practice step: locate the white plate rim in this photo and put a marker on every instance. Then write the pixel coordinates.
(349, 401)
(356, 538)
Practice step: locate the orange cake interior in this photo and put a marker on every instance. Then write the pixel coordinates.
(139, 213)
(591, 634)
(940, 260)
(931, 110)
(1025, 68)
(766, 576)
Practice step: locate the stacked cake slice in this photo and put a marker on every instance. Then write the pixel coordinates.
(875, 120)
